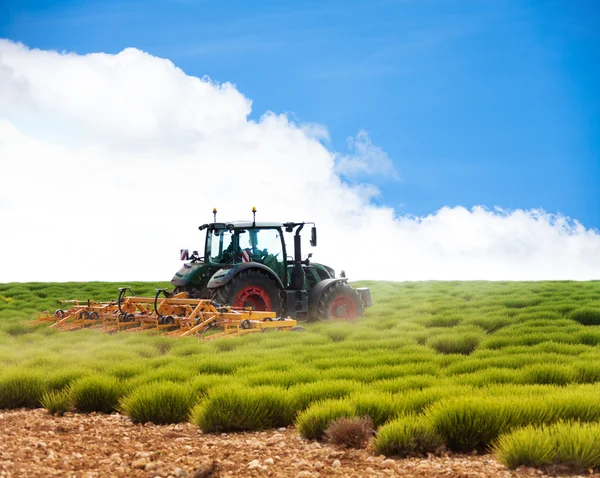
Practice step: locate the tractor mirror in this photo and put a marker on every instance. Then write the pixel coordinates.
(313, 236)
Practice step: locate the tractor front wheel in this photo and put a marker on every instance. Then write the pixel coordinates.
(340, 301)
(251, 288)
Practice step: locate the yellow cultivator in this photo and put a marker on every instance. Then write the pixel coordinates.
(175, 315)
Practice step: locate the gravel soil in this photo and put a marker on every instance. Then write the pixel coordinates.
(35, 444)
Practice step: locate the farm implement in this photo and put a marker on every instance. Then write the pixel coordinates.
(175, 315)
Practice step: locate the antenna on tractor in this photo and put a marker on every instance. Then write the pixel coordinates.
(215, 214)
(254, 216)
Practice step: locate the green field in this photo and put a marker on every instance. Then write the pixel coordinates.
(470, 365)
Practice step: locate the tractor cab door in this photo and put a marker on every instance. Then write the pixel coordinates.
(264, 246)
(221, 246)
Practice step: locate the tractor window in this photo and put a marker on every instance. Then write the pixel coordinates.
(221, 246)
(264, 246)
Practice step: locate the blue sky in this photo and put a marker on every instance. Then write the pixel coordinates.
(476, 102)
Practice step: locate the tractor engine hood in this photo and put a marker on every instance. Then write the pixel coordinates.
(190, 272)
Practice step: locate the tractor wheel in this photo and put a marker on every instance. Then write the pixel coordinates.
(340, 301)
(251, 288)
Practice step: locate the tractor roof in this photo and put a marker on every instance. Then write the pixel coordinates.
(240, 225)
(257, 224)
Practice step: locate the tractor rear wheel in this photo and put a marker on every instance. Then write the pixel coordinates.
(340, 301)
(251, 288)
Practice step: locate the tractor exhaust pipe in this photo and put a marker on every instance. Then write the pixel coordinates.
(298, 278)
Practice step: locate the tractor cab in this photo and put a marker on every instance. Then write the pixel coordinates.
(239, 242)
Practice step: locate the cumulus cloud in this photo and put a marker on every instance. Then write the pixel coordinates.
(365, 159)
(110, 162)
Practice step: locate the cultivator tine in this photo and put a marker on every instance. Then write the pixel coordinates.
(61, 322)
(92, 315)
(42, 318)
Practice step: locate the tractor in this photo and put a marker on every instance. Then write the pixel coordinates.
(245, 264)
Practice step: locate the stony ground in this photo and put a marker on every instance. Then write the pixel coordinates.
(35, 444)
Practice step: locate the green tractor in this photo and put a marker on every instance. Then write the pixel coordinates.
(245, 264)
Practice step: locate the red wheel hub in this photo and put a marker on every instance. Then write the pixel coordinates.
(253, 296)
(343, 307)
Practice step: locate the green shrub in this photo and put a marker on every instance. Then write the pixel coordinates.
(227, 345)
(530, 317)
(62, 379)
(563, 405)
(522, 302)
(186, 350)
(416, 401)
(409, 435)
(96, 394)
(236, 408)
(313, 421)
(378, 406)
(547, 374)
(577, 444)
(306, 393)
(571, 444)
(403, 384)
(203, 384)
(338, 332)
(490, 376)
(163, 345)
(455, 344)
(587, 372)
(586, 316)
(159, 402)
(528, 446)
(565, 307)
(125, 371)
(20, 389)
(170, 373)
(285, 378)
(18, 329)
(588, 337)
(57, 402)
(491, 323)
(441, 321)
(374, 373)
(212, 366)
(471, 423)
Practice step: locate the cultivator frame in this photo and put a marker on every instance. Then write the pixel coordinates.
(173, 315)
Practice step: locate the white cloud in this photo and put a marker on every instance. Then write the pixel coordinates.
(108, 163)
(366, 159)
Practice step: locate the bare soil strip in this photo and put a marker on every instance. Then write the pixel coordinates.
(35, 444)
